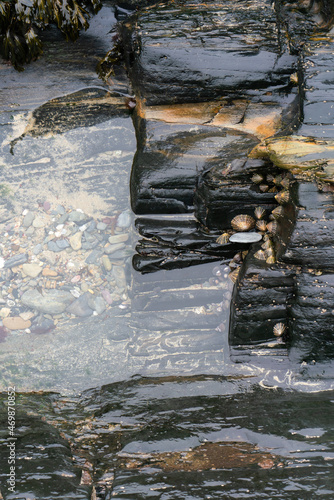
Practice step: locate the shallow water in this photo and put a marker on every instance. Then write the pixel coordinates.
(146, 401)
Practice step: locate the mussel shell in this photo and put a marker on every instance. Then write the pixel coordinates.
(282, 197)
(223, 239)
(259, 212)
(243, 222)
(279, 329)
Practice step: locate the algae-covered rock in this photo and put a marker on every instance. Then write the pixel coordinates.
(301, 155)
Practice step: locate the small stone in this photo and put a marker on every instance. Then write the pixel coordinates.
(49, 272)
(106, 263)
(49, 256)
(119, 275)
(97, 303)
(63, 219)
(4, 312)
(37, 249)
(42, 325)
(60, 210)
(76, 216)
(109, 249)
(84, 287)
(32, 270)
(46, 206)
(30, 231)
(16, 260)
(51, 302)
(101, 226)
(62, 244)
(53, 247)
(2, 262)
(39, 222)
(118, 238)
(26, 315)
(124, 219)
(91, 226)
(16, 323)
(93, 256)
(107, 296)
(80, 306)
(28, 219)
(245, 237)
(75, 240)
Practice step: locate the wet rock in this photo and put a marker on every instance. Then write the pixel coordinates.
(16, 323)
(94, 256)
(32, 270)
(62, 244)
(50, 302)
(80, 307)
(124, 219)
(230, 61)
(53, 247)
(118, 238)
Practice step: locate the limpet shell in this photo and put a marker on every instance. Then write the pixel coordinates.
(282, 197)
(279, 329)
(234, 275)
(257, 178)
(261, 225)
(243, 222)
(278, 212)
(259, 212)
(263, 188)
(272, 227)
(223, 239)
(260, 255)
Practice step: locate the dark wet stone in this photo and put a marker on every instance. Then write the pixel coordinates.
(80, 307)
(169, 62)
(16, 260)
(311, 242)
(83, 108)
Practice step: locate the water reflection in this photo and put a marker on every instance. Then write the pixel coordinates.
(192, 437)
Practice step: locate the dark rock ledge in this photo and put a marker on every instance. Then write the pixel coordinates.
(212, 82)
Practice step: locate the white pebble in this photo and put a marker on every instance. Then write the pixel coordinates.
(2, 262)
(59, 227)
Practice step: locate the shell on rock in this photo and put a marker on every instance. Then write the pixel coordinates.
(223, 239)
(277, 180)
(272, 227)
(259, 212)
(243, 222)
(285, 183)
(279, 329)
(278, 212)
(263, 188)
(273, 190)
(282, 197)
(267, 244)
(257, 178)
(260, 255)
(270, 178)
(234, 275)
(271, 259)
(261, 225)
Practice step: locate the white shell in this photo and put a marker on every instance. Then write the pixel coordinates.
(245, 237)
